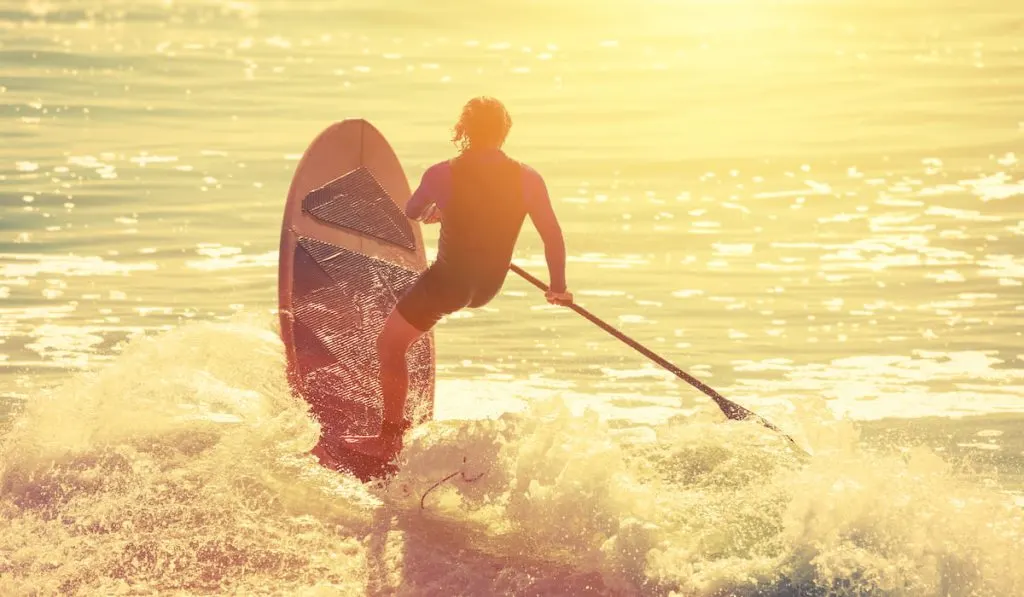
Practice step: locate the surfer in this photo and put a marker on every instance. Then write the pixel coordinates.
(481, 199)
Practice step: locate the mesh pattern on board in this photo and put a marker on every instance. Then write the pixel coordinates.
(339, 302)
(356, 201)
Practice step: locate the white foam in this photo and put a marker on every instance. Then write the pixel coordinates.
(182, 467)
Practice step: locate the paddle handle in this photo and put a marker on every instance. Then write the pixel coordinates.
(731, 409)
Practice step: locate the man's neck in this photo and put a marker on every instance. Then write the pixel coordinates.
(483, 149)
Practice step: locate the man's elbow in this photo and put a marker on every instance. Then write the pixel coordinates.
(552, 235)
(554, 242)
(414, 209)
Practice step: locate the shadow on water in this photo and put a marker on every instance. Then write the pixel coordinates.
(410, 554)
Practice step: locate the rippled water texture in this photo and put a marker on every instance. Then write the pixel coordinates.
(815, 207)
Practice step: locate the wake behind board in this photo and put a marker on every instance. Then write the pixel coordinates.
(348, 253)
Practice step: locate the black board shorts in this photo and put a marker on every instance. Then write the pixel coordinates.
(439, 291)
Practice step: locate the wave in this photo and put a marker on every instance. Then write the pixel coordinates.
(182, 467)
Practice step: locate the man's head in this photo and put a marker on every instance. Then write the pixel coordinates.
(484, 124)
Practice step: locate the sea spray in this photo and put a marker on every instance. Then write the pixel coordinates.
(182, 467)
(709, 508)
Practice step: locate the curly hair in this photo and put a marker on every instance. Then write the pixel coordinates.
(484, 122)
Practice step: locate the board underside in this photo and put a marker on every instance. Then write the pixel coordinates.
(357, 202)
(340, 300)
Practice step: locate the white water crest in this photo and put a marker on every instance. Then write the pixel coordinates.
(182, 467)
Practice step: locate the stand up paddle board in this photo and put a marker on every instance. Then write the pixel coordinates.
(348, 253)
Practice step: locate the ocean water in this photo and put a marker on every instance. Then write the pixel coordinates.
(817, 208)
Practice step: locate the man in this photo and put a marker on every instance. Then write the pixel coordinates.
(481, 198)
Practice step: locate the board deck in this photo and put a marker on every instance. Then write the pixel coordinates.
(347, 255)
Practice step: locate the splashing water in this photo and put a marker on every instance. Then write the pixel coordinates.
(182, 467)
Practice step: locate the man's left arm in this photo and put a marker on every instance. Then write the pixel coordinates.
(421, 205)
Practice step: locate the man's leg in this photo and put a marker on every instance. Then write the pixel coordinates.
(392, 345)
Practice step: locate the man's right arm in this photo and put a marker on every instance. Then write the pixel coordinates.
(542, 214)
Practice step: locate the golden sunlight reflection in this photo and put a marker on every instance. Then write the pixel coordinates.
(813, 207)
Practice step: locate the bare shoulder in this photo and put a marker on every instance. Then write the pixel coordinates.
(530, 172)
(438, 169)
(531, 178)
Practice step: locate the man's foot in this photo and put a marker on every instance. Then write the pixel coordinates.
(366, 456)
(376, 446)
(385, 446)
(392, 434)
(361, 461)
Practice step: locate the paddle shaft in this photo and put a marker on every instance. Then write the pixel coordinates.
(731, 409)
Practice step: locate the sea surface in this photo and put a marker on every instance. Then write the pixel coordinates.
(815, 207)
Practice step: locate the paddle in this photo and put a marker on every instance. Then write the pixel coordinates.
(731, 409)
